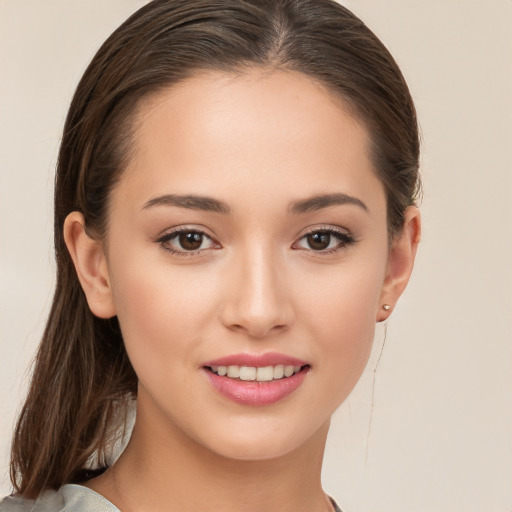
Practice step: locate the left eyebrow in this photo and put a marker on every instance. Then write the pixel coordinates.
(319, 202)
(191, 202)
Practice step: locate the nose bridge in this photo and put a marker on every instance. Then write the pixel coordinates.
(258, 301)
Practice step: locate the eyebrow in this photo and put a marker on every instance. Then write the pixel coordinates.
(209, 204)
(324, 201)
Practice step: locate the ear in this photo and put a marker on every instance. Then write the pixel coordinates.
(400, 262)
(91, 266)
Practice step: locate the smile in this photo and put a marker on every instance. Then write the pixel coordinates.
(256, 380)
(254, 373)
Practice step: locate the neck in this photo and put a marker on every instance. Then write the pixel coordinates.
(174, 473)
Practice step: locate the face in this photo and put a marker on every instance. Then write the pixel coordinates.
(248, 231)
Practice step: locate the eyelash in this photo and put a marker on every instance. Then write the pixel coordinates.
(345, 240)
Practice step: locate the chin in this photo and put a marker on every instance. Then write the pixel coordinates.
(265, 442)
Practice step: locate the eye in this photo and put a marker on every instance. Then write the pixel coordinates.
(325, 240)
(186, 242)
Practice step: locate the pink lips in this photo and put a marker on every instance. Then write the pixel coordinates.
(252, 392)
(267, 359)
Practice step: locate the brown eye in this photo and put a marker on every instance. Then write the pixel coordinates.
(319, 240)
(190, 241)
(187, 242)
(325, 241)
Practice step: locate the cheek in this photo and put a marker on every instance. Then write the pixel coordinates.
(162, 312)
(341, 310)
(346, 295)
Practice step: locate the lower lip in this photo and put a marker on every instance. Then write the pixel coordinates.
(256, 393)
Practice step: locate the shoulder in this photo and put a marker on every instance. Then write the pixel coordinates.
(69, 498)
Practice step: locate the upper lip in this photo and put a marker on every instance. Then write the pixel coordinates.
(256, 360)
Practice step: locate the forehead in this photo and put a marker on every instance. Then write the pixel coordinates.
(259, 131)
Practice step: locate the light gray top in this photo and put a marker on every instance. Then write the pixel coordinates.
(69, 498)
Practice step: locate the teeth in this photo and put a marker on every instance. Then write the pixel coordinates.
(264, 374)
(247, 373)
(288, 371)
(279, 371)
(260, 374)
(233, 372)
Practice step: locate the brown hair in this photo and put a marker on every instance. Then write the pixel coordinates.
(82, 377)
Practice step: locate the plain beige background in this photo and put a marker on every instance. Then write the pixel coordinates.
(439, 434)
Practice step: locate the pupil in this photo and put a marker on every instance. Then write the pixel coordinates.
(191, 241)
(319, 240)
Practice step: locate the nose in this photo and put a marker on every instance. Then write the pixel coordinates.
(258, 302)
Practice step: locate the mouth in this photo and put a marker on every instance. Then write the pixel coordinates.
(256, 380)
(257, 373)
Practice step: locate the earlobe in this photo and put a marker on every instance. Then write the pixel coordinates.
(91, 266)
(400, 262)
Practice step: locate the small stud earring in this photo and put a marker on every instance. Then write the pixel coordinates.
(386, 307)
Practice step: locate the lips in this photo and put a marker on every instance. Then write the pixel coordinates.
(256, 380)
(267, 359)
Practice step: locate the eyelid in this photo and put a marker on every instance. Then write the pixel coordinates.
(324, 227)
(199, 228)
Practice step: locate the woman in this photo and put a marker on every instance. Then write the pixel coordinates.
(234, 210)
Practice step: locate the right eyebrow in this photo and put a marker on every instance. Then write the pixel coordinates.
(192, 202)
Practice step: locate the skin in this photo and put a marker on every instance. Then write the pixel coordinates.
(258, 142)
